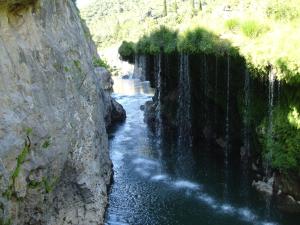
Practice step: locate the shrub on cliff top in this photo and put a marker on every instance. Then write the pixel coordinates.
(98, 62)
(127, 51)
(253, 29)
(194, 41)
(284, 9)
(200, 40)
(232, 24)
(160, 40)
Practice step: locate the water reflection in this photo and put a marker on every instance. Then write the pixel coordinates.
(131, 87)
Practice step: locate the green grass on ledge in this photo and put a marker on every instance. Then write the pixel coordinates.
(198, 40)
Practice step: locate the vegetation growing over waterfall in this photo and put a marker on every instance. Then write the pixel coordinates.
(269, 38)
(165, 40)
(281, 141)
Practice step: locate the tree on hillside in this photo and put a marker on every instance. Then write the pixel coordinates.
(200, 5)
(175, 6)
(165, 8)
(193, 4)
(193, 7)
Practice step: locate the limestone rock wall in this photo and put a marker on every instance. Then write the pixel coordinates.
(54, 159)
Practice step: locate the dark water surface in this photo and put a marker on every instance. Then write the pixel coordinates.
(157, 183)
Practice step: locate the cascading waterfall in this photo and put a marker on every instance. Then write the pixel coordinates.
(158, 119)
(271, 82)
(205, 89)
(139, 67)
(181, 180)
(136, 67)
(270, 118)
(278, 91)
(227, 128)
(184, 156)
(159, 90)
(184, 103)
(245, 149)
(216, 92)
(246, 123)
(142, 64)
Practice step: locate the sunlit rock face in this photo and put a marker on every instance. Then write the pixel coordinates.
(54, 161)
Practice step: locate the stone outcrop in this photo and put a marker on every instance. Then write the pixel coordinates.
(54, 159)
(288, 191)
(150, 114)
(264, 187)
(114, 112)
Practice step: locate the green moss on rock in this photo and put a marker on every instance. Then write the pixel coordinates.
(15, 6)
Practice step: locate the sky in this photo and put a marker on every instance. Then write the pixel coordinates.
(82, 3)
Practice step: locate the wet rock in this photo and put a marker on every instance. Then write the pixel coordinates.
(254, 167)
(208, 133)
(125, 77)
(118, 114)
(114, 112)
(221, 142)
(288, 203)
(264, 187)
(243, 152)
(289, 184)
(150, 114)
(288, 191)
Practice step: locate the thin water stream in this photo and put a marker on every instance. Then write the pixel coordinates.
(149, 189)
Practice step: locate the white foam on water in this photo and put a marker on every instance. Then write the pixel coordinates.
(186, 184)
(117, 223)
(117, 156)
(127, 139)
(159, 177)
(145, 162)
(115, 220)
(207, 199)
(226, 208)
(268, 223)
(142, 172)
(127, 128)
(246, 214)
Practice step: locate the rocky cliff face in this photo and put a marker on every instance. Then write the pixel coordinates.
(54, 160)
